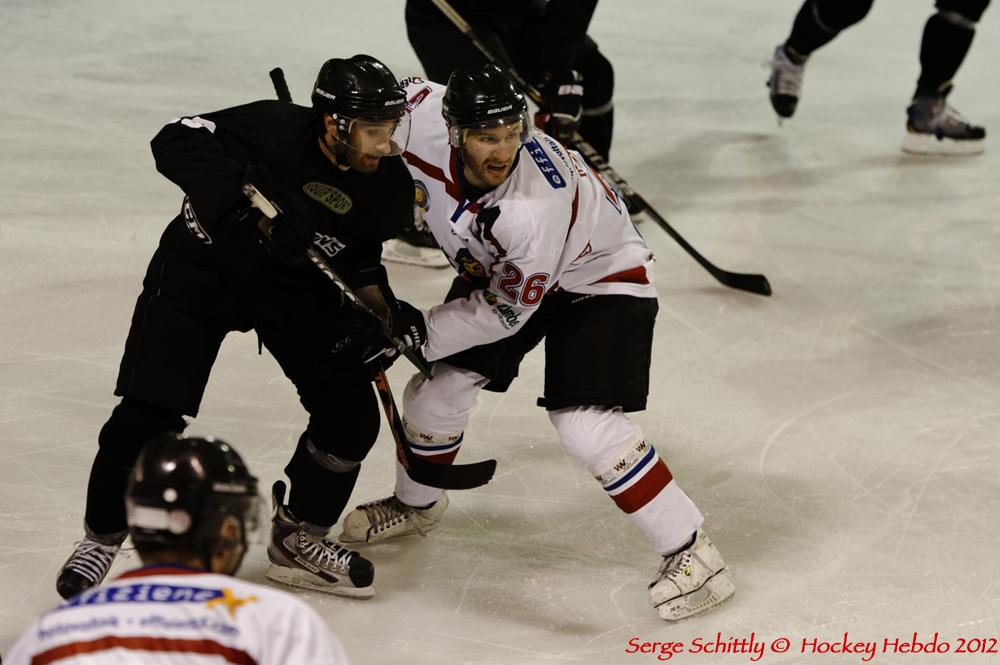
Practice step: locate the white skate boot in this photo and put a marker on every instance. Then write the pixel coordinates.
(691, 581)
(89, 563)
(302, 558)
(390, 518)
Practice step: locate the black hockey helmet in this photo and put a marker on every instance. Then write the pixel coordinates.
(180, 491)
(358, 87)
(482, 98)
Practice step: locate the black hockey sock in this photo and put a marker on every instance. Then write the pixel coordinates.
(131, 425)
(942, 50)
(820, 21)
(105, 495)
(318, 494)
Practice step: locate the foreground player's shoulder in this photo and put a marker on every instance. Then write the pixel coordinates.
(298, 634)
(548, 166)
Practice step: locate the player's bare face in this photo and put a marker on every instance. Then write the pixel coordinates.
(368, 142)
(489, 154)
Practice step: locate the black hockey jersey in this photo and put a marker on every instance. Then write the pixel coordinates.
(206, 155)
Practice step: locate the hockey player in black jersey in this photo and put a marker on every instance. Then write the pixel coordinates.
(335, 173)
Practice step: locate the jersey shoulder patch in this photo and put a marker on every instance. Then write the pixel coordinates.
(544, 164)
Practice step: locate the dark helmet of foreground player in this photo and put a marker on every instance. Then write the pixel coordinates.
(482, 98)
(359, 92)
(182, 490)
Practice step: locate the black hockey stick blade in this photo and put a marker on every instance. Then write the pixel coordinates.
(444, 476)
(280, 86)
(752, 283)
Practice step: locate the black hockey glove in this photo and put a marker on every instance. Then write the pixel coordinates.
(562, 97)
(360, 342)
(408, 325)
(293, 229)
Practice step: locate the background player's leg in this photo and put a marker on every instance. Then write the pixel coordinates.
(817, 23)
(932, 126)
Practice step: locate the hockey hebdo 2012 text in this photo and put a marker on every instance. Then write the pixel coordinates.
(755, 647)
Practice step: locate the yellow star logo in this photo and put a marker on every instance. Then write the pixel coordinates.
(230, 602)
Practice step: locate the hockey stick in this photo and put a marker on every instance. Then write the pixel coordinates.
(754, 283)
(280, 86)
(444, 476)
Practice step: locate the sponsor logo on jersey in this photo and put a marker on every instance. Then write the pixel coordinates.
(556, 148)
(329, 245)
(414, 101)
(415, 80)
(504, 312)
(468, 264)
(192, 223)
(160, 593)
(230, 601)
(329, 196)
(544, 164)
(421, 197)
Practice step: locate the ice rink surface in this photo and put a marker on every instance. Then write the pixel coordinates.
(840, 437)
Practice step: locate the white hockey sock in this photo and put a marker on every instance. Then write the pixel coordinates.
(435, 415)
(612, 448)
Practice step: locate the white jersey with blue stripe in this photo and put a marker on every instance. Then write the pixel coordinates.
(168, 615)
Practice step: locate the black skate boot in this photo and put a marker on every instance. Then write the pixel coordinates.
(89, 563)
(301, 556)
(935, 128)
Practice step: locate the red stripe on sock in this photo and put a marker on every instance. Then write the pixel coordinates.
(645, 489)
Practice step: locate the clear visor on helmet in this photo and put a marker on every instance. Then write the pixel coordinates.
(518, 128)
(257, 521)
(378, 138)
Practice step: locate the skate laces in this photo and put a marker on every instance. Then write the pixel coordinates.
(92, 559)
(676, 564)
(388, 512)
(786, 76)
(325, 554)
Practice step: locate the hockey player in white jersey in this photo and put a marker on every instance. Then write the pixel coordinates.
(192, 506)
(544, 249)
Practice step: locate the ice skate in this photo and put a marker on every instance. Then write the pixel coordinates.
(691, 581)
(301, 558)
(785, 82)
(415, 246)
(89, 563)
(935, 128)
(390, 518)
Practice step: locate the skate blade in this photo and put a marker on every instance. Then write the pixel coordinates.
(715, 590)
(306, 580)
(384, 536)
(927, 144)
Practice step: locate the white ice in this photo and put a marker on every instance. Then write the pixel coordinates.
(840, 437)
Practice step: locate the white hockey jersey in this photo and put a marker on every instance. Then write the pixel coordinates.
(167, 615)
(559, 227)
